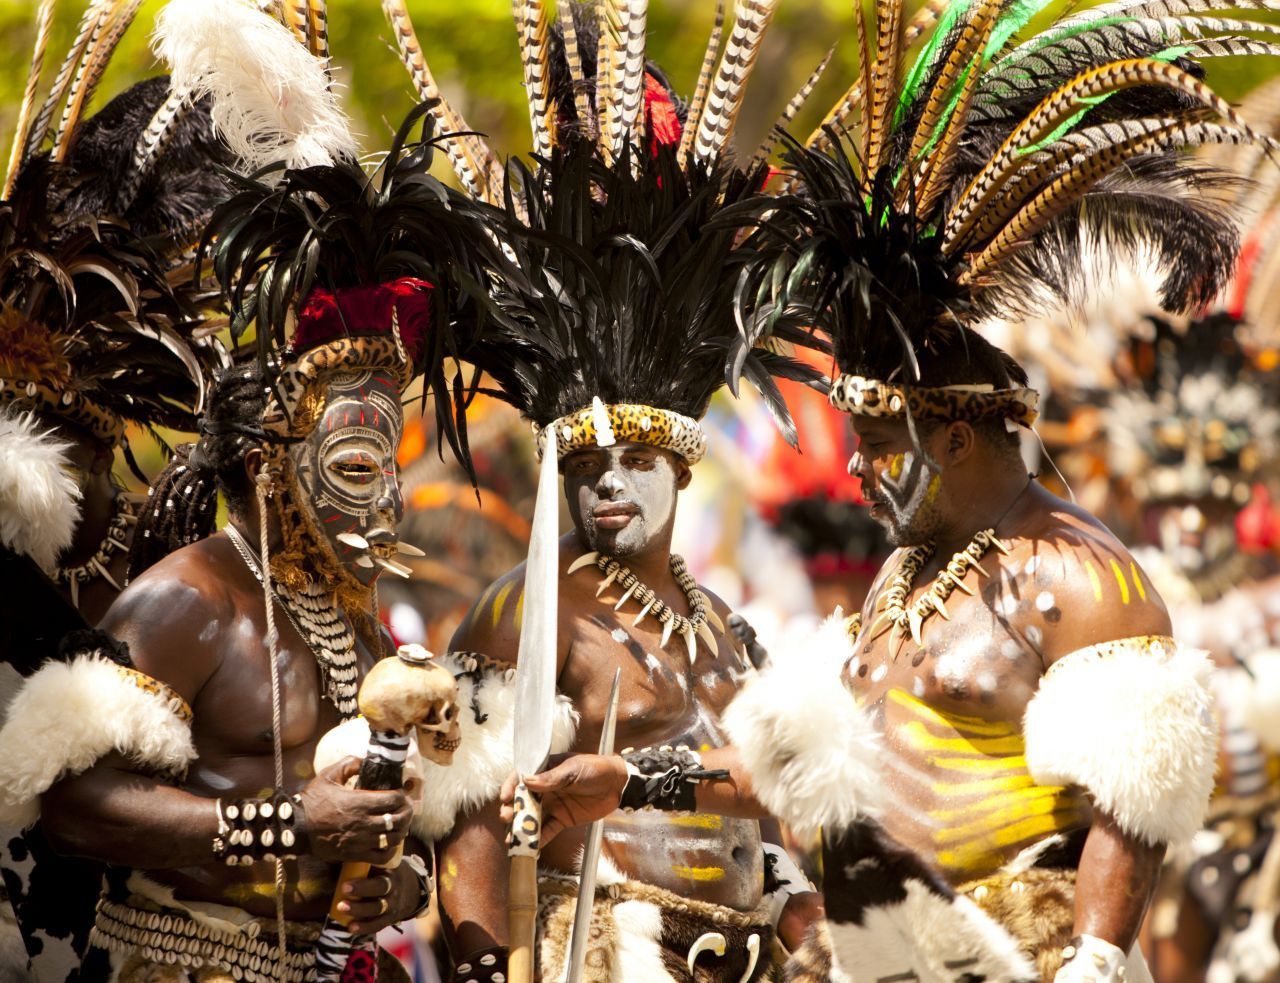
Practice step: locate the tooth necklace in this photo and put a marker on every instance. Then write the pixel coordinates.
(690, 629)
(892, 600)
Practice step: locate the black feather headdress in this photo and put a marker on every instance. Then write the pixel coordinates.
(618, 319)
(97, 327)
(971, 182)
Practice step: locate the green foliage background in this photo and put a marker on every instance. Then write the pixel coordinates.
(471, 47)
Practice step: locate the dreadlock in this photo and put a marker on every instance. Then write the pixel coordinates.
(182, 503)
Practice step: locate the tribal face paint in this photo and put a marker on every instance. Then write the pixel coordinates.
(622, 498)
(899, 482)
(347, 470)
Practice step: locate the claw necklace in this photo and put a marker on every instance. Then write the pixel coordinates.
(894, 612)
(690, 629)
(98, 565)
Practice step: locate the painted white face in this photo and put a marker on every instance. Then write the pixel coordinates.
(347, 469)
(622, 498)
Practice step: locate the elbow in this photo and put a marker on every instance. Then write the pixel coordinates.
(69, 823)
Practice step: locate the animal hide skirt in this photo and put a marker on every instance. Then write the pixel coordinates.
(1036, 906)
(644, 934)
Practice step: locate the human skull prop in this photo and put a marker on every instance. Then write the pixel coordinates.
(412, 692)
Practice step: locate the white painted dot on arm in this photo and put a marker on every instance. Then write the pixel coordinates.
(879, 672)
(1044, 600)
(620, 636)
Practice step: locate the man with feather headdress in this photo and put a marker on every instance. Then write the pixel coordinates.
(611, 334)
(99, 329)
(185, 748)
(1043, 738)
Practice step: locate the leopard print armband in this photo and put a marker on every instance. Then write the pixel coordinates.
(664, 778)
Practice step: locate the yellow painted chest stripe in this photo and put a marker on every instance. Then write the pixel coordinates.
(971, 726)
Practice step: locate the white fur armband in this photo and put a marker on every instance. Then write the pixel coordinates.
(486, 756)
(811, 752)
(69, 715)
(1129, 721)
(39, 499)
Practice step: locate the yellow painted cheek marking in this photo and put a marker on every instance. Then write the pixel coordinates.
(1136, 574)
(921, 738)
(895, 466)
(935, 486)
(701, 875)
(1123, 584)
(698, 821)
(1093, 580)
(519, 615)
(500, 602)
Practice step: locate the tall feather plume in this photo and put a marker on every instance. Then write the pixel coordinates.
(90, 23)
(318, 29)
(884, 78)
(573, 61)
(699, 102)
(715, 128)
(635, 13)
(44, 26)
(470, 157)
(531, 29)
(610, 60)
(998, 170)
(789, 113)
(97, 55)
(271, 97)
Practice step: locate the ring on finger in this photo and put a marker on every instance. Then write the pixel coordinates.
(382, 841)
(382, 906)
(388, 822)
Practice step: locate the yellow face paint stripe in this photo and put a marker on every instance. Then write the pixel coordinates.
(1123, 584)
(920, 738)
(895, 466)
(702, 875)
(519, 615)
(698, 821)
(975, 726)
(1093, 580)
(500, 602)
(1136, 574)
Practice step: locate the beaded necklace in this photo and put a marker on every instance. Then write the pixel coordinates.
(98, 565)
(690, 629)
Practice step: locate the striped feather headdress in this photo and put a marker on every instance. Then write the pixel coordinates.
(618, 321)
(969, 180)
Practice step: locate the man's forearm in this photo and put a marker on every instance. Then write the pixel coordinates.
(1114, 884)
(732, 796)
(129, 820)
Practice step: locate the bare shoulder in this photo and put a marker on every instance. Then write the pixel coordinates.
(175, 616)
(492, 625)
(1077, 584)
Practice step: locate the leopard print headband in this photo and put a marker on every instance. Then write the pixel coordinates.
(860, 396)
(601, 424)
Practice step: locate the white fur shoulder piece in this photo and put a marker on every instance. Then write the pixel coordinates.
(484, 759)
(1131, 722)
(39, 498)
(68, 715)
(813, 756)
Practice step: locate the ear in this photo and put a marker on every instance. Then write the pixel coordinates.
(253, 463)
(684, 474)
(960, 441)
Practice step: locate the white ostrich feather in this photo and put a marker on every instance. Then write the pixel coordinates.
(272, 99)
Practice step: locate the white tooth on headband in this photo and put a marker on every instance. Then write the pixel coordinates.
(600, 419)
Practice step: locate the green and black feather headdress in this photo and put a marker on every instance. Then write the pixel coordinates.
(969, 181)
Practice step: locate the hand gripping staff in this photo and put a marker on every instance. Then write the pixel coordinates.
(534, 711)
(399, 693)
(591, 855)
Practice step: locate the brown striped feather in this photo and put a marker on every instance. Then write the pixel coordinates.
(44, 26)
(632, 78)
(294, 15)
(609, 57)
(1059, 106)
(696, 106)
(884, 78)
(864, 70)
(715, 128)
(318, 29)
(96, 58)
(90, 24)
(788, 114)
(573, 58)
(531, 28)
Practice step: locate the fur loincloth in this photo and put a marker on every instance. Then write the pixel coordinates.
(643, 934)
(1036, 906)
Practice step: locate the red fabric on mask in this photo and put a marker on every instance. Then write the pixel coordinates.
(664, 124)
(355, 311)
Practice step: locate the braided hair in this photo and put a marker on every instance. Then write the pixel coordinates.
(182, 503)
